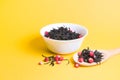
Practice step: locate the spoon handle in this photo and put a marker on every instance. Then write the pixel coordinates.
(115, 51)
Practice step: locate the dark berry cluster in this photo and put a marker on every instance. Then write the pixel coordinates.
(62, 33)
(90, 56)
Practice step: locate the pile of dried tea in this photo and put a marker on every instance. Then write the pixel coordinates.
(90, 56)
(62, 33)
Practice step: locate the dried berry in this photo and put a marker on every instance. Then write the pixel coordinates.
(91, 53)
(90, 60)
(46, 34)
(40, 63)
(76, 65)
(46, 59)
(80, 36)
(61, 58)
(79, 53)
(81, 59)
(56, 58)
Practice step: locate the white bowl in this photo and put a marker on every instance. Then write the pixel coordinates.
(64, 46)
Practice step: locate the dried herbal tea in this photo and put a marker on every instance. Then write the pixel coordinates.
(62, 33)
(90, 56)
(52, 60)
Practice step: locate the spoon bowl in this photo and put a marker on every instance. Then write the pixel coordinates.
(106, 55)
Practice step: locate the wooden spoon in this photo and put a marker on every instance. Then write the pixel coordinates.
(106, 55)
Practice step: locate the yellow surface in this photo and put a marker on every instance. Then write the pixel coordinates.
(21, 46)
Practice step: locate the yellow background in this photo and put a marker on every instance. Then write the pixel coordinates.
(21, 46)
